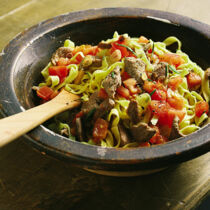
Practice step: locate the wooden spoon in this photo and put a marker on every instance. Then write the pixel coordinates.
(16, 125)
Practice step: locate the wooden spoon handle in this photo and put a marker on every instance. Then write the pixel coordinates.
(16, 125)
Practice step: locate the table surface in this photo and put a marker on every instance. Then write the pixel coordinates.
(32, 180)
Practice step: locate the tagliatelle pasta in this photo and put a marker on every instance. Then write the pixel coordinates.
(134, 91)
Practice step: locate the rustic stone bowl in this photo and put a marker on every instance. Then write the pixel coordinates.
(25, 56)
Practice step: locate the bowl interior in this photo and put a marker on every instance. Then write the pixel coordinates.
(30, 52)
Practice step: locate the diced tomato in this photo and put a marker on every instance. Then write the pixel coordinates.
(131, 85)
(60, 71)
(123, 50)
(172, 59)
(193, 80)
(79, 58)
(100, 129)
(86, 50)
(174, 82)
(201, 107)
(171, 113)
(45, 93)
(168, 116)
(159, 95)
(124, 92)
(102, 93)
(165, 113)
(63, 62)
(157, 87)
(144, 144)
(158, 107)
(158, 138)
(176, 102)
(143, 39)
(149, 86)
(125, 76)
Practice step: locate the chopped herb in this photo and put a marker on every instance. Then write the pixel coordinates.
(128, 48)
(113, 75)
(173, 69)
(149, 80)
(152, 92)
(153, 47)
(166, 70)
(90, 114)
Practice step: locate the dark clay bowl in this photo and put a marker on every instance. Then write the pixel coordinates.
(26, 55)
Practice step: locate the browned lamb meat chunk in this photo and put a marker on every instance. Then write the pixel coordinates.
(124, 135)
(62, 52)
(104, 45)
(93, 102)
(112, 82)
(159, 72)
(104, 108)
(135, 68)
(133, 112)
(175, 129)
(141, 132)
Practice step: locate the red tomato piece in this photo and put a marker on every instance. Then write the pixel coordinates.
(123, 50)
(124, 92)
(45, 93)
(158, 107)
(131, 85)
(125, 76)
(193, 80)
(60, 71)
(176, 102)
(174, 82)
(172, 59)
(149, 86)
(165, 113)
(159, 95)
(157, 138)
(102, 93)
(79, 58)
(158, 88)
(201, 107)
(86, 50)
(100, 129)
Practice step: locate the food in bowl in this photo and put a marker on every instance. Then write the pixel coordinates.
(135, 92)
